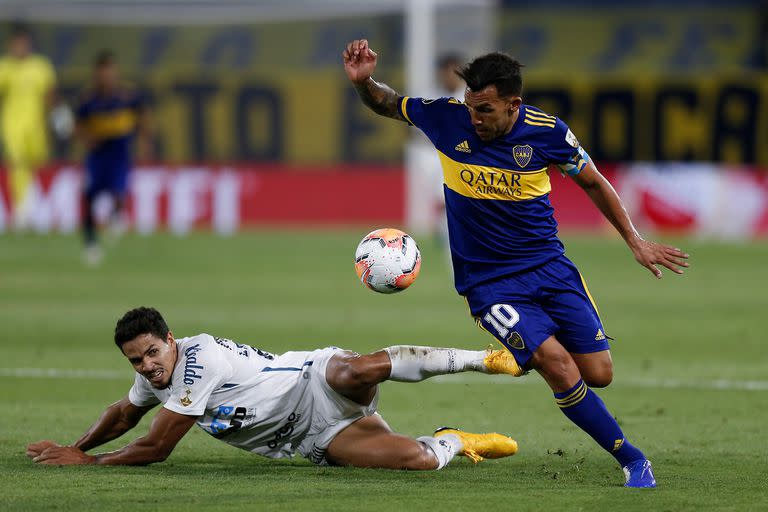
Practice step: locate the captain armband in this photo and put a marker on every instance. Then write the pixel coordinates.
(576, 163)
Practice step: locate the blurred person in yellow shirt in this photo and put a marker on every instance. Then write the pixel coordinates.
(27, 82)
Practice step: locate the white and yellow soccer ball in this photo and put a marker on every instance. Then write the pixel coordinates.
(387, 260)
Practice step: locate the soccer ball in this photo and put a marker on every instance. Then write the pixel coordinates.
(387, 260)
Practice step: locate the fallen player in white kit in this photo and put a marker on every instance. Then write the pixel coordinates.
(320, 403)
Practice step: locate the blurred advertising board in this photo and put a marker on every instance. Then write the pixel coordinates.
(225, 198)
(705, 200)
(258, 118)
(653, 83)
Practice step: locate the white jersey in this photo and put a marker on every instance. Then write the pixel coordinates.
(264, 403)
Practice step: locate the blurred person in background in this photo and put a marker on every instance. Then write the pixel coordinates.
(27, 91)
(421, 153)
(449, 84)
(109, 117)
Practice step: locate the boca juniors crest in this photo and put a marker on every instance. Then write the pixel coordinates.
(522, 154)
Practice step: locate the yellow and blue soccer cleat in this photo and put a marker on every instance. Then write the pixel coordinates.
(502, 361)
(639, 474)
(481, 446)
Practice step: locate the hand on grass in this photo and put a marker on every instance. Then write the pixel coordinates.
(64, 456)
(35, 449)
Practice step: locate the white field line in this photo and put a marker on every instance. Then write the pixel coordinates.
(464, 378)
(641, 382)
(64, 373)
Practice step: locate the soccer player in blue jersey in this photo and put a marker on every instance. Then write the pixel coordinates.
(109, 117)
(508, 261)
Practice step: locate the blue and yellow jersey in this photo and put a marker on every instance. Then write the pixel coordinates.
(110, 120)
(500, 220)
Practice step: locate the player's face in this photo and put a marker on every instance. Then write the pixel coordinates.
(448, 79)
(152, 357)
(491, 115)
(107, 76)
(19, 46)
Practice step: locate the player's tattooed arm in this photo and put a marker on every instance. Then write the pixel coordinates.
(359, 65)
(380, 98)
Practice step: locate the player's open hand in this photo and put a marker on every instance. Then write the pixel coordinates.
(359, 60)
(35, 449)
(651, 254)
(64, 456)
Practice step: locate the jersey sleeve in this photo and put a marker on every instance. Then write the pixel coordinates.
(425, 114)
(81, 112)
(565, 150)
(141, 394)
(138, 101)
(135, 99)
(201, 371)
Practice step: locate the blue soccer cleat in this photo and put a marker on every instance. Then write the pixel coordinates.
(639, 474)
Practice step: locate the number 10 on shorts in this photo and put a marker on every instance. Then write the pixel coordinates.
(503, 318)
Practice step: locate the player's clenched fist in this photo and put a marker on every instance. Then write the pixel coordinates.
(359, 60)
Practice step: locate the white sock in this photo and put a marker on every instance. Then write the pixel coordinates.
(444, 447)
(414, 364)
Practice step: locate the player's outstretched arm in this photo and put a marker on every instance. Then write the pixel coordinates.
(166, 431)
(359, 65)
(647, 253)
(116, 420)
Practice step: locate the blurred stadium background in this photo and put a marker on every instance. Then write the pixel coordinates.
(267, 170)
(249, 102)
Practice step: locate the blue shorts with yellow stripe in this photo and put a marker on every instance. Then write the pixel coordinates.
(524, 309)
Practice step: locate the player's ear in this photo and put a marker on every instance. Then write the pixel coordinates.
(514, 104)
(170, 339)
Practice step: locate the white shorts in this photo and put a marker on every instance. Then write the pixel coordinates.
(331, 412)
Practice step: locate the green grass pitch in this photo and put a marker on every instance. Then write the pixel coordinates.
(690, 388)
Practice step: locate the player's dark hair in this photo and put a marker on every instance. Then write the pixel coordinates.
(449, 60)
(497, 69)
(19, 29)
(103, 58)
(140, 321)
